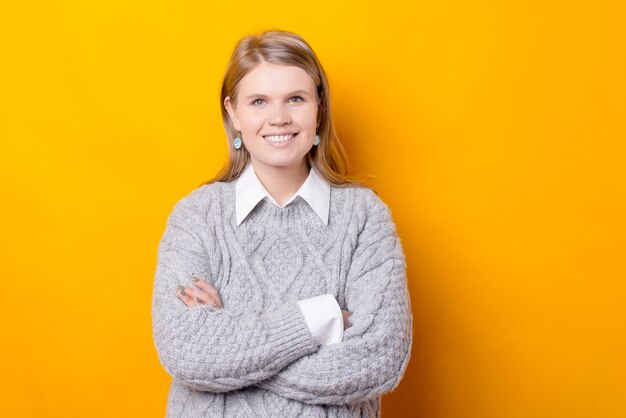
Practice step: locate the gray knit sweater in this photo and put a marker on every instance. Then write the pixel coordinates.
(256, 356)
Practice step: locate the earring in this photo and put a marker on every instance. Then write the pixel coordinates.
(237, 142)
(316, 141)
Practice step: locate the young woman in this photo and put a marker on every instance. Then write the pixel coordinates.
(280, 288)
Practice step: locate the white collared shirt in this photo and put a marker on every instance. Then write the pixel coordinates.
(249, 191)
(321, 313)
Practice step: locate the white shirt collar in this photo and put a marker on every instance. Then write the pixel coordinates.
(249, 191)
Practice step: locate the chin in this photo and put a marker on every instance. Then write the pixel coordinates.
(283, 163)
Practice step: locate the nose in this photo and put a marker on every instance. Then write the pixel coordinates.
(279, 116)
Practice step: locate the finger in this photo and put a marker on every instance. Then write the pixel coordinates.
(346, 318)
(208, 288)
(184, 296)
(200, 297)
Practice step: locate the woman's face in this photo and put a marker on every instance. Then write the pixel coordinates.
(276, 114)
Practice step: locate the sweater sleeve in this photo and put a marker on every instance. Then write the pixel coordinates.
(375, 349)
(215, 350)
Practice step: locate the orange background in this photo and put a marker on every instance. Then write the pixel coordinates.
(496, 132)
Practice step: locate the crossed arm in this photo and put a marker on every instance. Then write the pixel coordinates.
(226, 349)
(216, 350)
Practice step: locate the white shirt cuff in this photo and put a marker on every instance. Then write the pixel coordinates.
(324, 318)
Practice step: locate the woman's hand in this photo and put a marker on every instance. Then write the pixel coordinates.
(204, 294)
(346, 317)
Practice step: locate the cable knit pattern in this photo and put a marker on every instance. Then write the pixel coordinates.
(256, 356)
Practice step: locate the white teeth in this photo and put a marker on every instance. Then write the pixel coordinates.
(278, 138)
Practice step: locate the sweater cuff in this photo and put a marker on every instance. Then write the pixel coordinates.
(289, 334)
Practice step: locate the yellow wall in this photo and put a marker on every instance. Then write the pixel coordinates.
(496, 132)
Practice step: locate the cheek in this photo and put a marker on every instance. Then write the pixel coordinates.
(251, 121)
(307, 117)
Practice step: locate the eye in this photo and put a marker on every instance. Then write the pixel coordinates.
(255, 101)
(300, 99)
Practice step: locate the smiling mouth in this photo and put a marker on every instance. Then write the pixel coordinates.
(279, 138)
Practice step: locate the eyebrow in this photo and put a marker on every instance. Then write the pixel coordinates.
(289, 94)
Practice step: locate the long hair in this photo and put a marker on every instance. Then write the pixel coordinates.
(284, 48)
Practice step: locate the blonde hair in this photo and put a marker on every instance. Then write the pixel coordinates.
(285, 48)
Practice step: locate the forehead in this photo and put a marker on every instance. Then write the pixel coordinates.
(267, 78)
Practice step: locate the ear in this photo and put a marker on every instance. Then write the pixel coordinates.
(231, 113)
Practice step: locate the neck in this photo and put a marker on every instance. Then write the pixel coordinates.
(282, 182)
